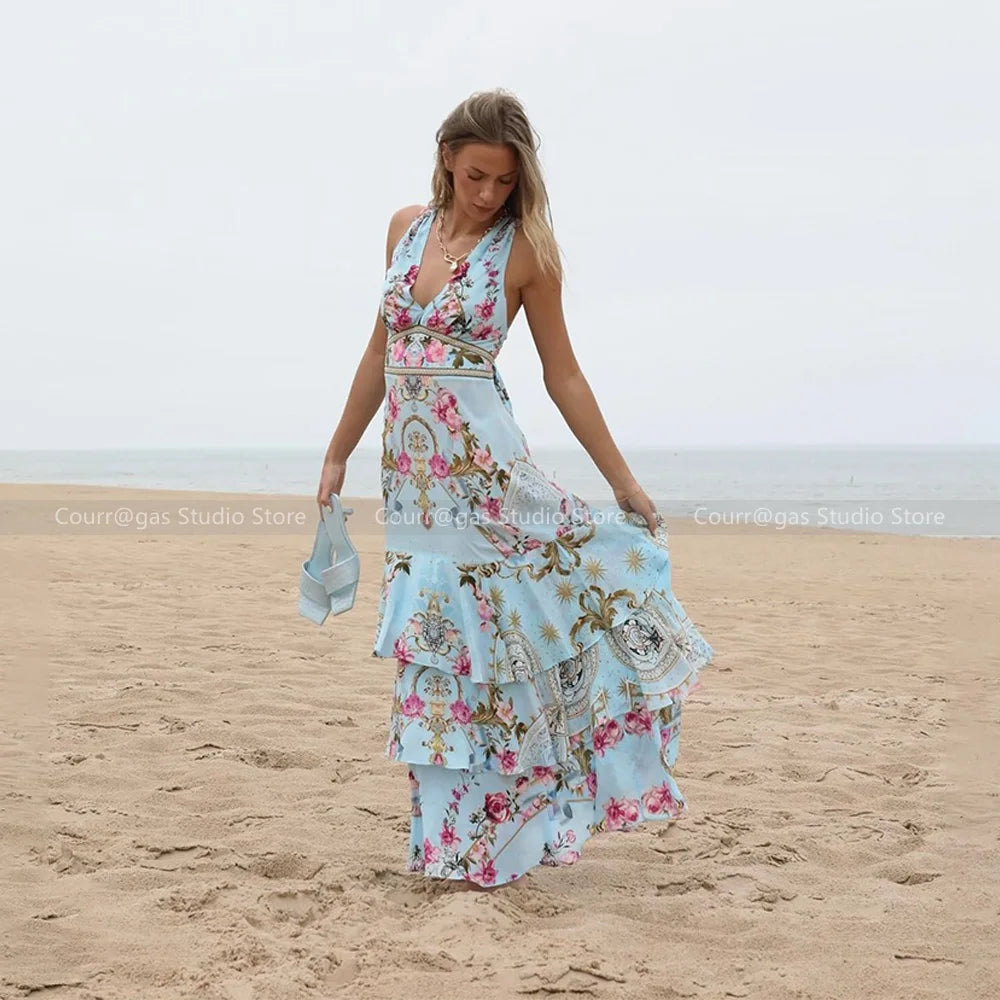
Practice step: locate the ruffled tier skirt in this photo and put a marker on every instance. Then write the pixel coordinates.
(490, 828)
(519, 762)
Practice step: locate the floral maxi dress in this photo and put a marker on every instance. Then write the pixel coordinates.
(541, 656)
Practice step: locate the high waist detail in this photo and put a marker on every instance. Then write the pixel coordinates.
(422, 351)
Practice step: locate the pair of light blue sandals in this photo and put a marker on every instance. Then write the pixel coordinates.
(328, 582)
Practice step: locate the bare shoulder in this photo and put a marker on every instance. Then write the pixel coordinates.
(523, 266)
(401, 220)
(402, 217)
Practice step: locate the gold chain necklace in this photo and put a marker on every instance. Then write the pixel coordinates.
(454, 261)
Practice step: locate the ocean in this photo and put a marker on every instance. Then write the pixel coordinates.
(943, 491)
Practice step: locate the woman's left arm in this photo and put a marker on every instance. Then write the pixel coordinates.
(569, 389)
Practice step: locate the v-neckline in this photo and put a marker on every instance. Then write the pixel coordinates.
(421, 248)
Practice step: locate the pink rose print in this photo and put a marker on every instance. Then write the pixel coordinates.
(491, 508)
(592, 784)
(401, 651)
(606, 736)
(437, 321)
(485, 332)
(460, 271)
(411, 274)
(483, 459)
(545, 774)
(619, 812)
(505, 710)
(460, 711)
(639, 721)
(393, 404)
(485, 610)
(399, 350)
(439, 466)
(431, 853)
(569, 857)
(660, 800)
(434, 352)
(463, 663)
(444, 410)
(443, 401)
(570, 837)
(448, 836)
(508, 761)
(403, 463)
(532, 543)
(497, 807)
(413, 706)
(667, 733)
(521, 783)
(486, 873)
(484, 310)
(534, 807)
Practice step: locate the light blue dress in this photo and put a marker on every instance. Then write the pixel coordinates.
(541, 656)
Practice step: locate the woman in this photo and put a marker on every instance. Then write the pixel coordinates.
(541, 657)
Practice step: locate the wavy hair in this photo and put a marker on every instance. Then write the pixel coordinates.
(498, 118)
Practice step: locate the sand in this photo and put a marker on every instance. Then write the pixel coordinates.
(194, 800)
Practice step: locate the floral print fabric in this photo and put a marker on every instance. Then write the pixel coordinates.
(541, 656)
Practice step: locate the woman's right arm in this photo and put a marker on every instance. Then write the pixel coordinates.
(368, 387)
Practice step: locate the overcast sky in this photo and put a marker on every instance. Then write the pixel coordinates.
(779, 219)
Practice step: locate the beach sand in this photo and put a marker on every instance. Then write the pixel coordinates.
(194, 799)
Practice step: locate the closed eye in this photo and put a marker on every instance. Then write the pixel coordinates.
(502, 181)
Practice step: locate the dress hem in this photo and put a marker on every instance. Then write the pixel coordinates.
(564, 859)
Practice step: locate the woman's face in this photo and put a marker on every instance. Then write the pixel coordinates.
(484, 175)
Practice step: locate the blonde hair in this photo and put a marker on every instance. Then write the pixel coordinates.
(498, 118)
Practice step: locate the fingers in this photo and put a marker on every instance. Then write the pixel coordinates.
(651, 516)
(642, 505)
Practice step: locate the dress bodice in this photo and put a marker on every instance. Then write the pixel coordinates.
(472, 305)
